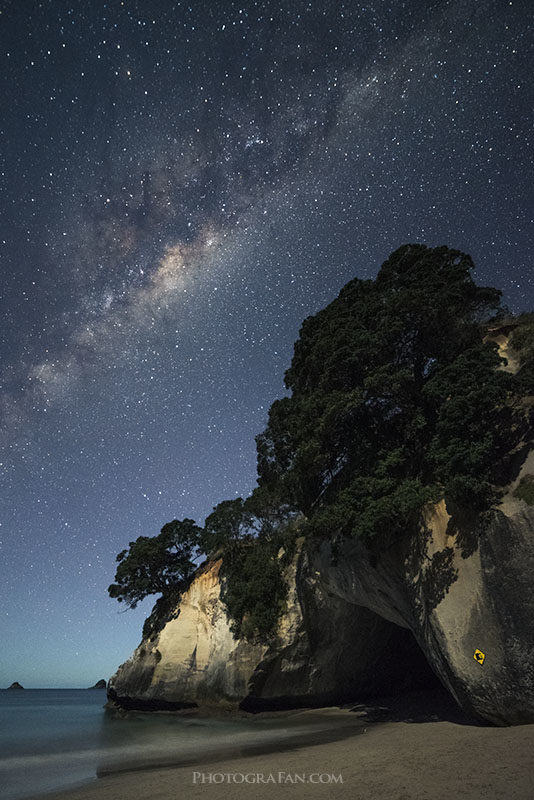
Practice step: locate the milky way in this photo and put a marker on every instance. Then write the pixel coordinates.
(182, 184)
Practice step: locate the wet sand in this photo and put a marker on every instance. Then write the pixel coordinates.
(409, 748)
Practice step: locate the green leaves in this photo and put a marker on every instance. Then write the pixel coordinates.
(254, 589)
(159, 564)
(396, 401)
(474, 424)
(227, 524)
(395, 398)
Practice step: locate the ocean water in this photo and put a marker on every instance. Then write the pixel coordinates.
(52, 739)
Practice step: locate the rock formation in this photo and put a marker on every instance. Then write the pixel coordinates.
(15, 685)
(193, 660)
(467, 598)
(101, 684)
(452, 599)
(358, 625)
(327, 651)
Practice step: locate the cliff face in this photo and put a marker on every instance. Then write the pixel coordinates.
(327, 650)
(469, 605)
(330, 649)
(453, 600)
(465, 592)
(358, 625)
(193, 660)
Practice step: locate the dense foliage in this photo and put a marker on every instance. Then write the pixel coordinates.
(256, 538)
(395, 400)
(254, 588)
(158, 564)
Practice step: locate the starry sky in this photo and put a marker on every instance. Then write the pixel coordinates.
(182, 183)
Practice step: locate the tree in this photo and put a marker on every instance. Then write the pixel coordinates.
(254, 590)
(395, 400)
(159, 564)
(228, 523)
(232, 522)
(256, 543)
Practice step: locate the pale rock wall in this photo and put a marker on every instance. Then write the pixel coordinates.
(358, 623)
(457, 590)
(193, 660)
(326, 651)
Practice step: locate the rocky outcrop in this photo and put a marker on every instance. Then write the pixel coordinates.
(101, 684)
(452, 599)
(358, 624)
(193, 660)
(327, 650)
(16, 685)
(469, 605)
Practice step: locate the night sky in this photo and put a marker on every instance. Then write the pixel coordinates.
(182, 184)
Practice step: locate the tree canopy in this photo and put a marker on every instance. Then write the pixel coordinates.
(394, 400)
(160, 564)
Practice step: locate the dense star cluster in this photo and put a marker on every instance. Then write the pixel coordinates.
(182, 184)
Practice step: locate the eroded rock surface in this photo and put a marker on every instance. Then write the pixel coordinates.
(358, 624)
(193, 660)
(454, 599)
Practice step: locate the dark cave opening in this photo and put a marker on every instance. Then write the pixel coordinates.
(354, 655)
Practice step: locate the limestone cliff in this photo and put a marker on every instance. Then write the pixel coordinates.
(452, 599)
(460, 598)
(326, 651)
(464, 589)
(193, 659)
(358, 625)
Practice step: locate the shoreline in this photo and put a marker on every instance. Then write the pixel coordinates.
(393, 748)
(305, 727)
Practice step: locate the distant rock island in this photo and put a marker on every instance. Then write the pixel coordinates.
(15, 685)
(101, 684)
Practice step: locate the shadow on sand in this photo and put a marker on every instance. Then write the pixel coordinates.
(435, 705)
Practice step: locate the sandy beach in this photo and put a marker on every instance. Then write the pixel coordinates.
(396, 749)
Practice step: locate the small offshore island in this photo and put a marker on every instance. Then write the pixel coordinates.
(267, 385)
(373, 597)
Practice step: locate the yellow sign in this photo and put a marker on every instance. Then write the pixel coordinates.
(479, 656)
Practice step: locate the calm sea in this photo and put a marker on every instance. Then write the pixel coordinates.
(59, 738)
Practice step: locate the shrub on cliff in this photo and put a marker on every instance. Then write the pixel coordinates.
(254, 590)
(256, 539)
(158, 564)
